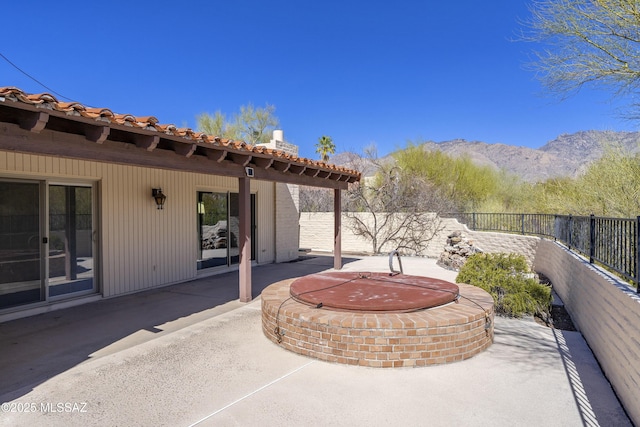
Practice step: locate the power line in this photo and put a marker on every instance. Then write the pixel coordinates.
(34, 79)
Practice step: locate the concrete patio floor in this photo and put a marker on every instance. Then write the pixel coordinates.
(191, 354)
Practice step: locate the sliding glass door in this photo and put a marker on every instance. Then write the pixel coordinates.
(20, 248)
(46, 242)
(70, 240)
(219, 228)
(234, 226)
(212, 230)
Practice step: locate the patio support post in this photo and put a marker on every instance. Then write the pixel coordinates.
(337, 235)
(244, 240)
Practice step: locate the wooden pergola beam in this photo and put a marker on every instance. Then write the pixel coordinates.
(28, 129)
(147, 152)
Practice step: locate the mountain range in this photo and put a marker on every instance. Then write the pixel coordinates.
(567, 155)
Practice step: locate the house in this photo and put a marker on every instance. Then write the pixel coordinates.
(95, 204)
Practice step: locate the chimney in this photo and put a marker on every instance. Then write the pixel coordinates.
(278, 135)
(278, 143)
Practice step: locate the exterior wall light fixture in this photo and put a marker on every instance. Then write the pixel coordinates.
(159, 197)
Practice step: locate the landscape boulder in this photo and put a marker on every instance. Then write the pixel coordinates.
(456, 251)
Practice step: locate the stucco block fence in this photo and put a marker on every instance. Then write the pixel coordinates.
(603, 308)
(316, 233)
(607, 313)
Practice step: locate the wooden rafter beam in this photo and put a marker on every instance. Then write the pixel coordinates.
(184, 149)
(30, 128)
(217, 155)
(281, 166)
(297, 169)
(34, 121)
(76, 146)
(97, 134)
(148, 142)
(311, 172)
(262, 162)
(240, 159)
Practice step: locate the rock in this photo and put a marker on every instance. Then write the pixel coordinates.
(456, 251)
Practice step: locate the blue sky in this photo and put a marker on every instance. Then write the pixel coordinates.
(362, 72)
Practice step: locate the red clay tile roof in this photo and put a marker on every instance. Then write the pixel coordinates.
(48, 101)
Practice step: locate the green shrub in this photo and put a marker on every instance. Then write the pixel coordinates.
(507, 278)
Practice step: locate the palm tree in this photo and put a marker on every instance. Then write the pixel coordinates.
(324, 147)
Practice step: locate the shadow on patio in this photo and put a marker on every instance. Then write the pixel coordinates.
(37, 348)
(213, 363)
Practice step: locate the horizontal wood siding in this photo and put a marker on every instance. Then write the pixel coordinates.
(142, 247)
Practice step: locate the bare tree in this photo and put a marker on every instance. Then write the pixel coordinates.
(400, 209)
(589, 42)
(316, 199)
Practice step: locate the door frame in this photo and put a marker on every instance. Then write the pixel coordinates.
(44, 238)
(229, 263)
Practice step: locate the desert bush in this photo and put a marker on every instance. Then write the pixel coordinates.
(508, 279)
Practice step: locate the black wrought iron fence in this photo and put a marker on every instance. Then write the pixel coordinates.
(611, 242)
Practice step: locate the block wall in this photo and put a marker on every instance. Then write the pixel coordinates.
(286, 216)
(607, 313)
(316, 232)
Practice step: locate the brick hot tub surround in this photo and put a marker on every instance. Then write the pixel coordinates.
(444, 334)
